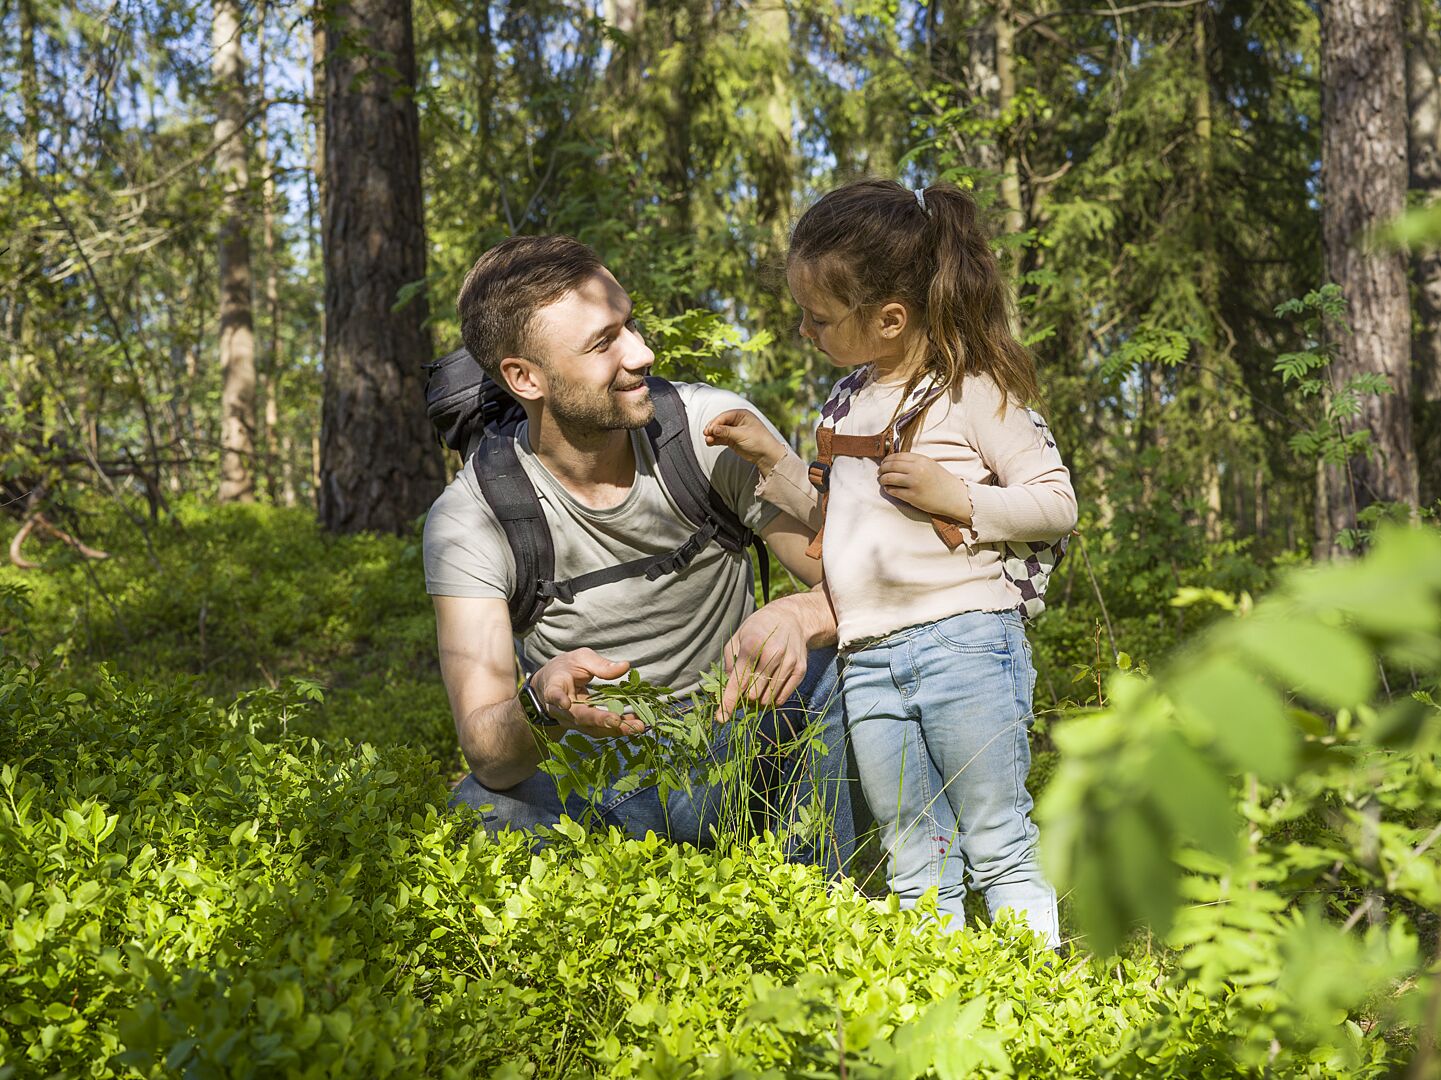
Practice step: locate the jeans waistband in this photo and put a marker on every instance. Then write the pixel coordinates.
(907, 632)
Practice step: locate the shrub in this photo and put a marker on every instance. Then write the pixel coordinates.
(186, 897)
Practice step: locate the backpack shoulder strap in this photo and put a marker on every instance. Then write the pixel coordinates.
(512, 498)
(687, 483)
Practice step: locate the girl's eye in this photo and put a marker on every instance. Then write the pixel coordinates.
(633, 325)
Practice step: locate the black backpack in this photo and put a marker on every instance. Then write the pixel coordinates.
(478, 418)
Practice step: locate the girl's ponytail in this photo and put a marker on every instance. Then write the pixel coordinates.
(873, 241)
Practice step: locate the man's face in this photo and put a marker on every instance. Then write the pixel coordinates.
(593, 359)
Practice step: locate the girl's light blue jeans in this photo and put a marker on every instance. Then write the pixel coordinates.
(939, 716)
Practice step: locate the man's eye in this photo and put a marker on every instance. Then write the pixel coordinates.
(633, 325)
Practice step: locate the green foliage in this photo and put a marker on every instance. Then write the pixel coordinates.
(676, 753)
(185, 897)
(239, 595)
(1308, 372)
(1277, 776)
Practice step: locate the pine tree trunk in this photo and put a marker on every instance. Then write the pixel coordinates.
(1210, 354)
(768, 39)
(1006, 95)
(1423, 111)
(380, 466)
(270, 369)
(982, 82)
(1363, 171)
(29, 90)
(237, 334)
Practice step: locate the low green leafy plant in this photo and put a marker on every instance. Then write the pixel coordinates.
(1267, 804)
(196, 890)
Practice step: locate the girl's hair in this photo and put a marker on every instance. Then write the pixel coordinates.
(871, 242)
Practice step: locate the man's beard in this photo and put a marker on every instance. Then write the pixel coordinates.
(583, 411)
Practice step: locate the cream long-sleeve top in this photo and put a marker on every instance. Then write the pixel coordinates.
(885, 567)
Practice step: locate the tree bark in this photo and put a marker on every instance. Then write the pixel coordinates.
(1363, 172)
(768, 42)
(270, 369)
(982, 82)
(237, 333)
(1209, 284)
(1005, 25)
(1423, 112)
(380, 465)
(29, 90)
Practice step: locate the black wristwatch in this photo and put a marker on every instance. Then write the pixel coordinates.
(533, 707)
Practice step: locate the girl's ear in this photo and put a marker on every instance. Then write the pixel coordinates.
(892, 320)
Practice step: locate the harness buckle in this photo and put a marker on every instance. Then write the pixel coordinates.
(819, 475)
(557, 590)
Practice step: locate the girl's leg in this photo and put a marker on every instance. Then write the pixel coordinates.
(975, 703)
(899, 780)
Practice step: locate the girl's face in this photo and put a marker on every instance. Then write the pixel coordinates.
(846, 336)
(825, 321)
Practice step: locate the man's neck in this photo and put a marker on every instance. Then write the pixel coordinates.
(597, 468)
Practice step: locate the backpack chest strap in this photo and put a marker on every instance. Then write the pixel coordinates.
(829, 446)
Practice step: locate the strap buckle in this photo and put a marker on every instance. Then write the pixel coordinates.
(557, 590)
(819, 475)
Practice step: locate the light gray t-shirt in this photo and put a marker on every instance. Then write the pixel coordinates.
(670, 630)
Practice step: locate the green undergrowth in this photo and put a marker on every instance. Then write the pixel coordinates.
(187, 891)
(235, 597)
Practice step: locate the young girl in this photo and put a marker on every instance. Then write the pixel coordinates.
(934, 460)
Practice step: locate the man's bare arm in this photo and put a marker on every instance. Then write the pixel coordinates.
(477, 663)
(765, 659)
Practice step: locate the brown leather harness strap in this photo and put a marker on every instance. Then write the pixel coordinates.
(830, 446)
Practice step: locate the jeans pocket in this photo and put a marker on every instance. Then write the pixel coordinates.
(972, 632)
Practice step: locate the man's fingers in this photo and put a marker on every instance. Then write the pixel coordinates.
(604, 724)
(591, 662)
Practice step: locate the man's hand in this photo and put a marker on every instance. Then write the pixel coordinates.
(926, 485)
(765, 659)
(743, 432)
(563, 686)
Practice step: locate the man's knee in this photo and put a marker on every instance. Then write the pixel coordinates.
(530, 804)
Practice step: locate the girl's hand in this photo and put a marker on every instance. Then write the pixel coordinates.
(744, 433)
(926, 485)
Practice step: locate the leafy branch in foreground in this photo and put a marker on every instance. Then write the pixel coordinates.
(1269, 800)
(755, 769)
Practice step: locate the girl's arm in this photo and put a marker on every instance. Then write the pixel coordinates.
(784, 482)
(1032, 498)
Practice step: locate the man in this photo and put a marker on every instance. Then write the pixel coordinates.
(547, 321)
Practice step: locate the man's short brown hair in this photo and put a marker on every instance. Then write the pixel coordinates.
(508, 284)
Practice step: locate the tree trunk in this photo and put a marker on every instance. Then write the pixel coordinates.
(1423, 112)
(380, 466)
(1209, 354)
(1363, 171)
(29, 90)
(1005, 24)
(270, 369)
(237, 334)
(982, 82)
(768, 43)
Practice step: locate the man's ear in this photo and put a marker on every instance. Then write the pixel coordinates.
(523, 378)
(892, 319)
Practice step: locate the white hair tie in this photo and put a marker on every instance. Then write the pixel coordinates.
(921, 200)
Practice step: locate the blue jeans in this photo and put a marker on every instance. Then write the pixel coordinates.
(939, 716)
(785, 788)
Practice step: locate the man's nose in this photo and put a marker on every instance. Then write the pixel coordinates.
(638, 354)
